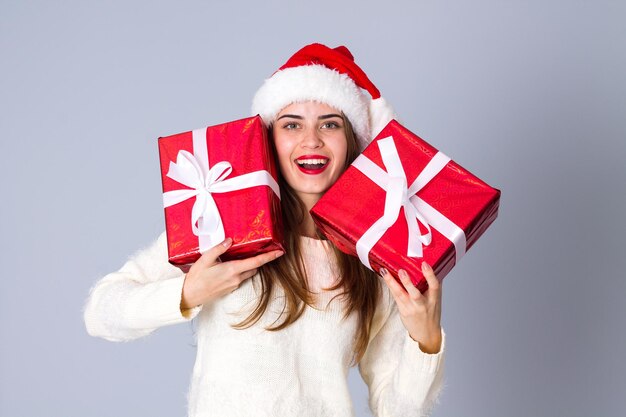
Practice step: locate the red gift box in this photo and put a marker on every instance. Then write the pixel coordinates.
(220, 182)
(402, 202)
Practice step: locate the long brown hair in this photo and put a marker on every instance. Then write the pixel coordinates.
(358, 283)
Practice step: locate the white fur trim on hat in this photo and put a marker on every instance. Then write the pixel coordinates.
(315, 83)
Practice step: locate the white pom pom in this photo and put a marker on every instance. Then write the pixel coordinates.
(381, 113)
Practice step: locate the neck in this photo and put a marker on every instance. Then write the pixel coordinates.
(307, 228)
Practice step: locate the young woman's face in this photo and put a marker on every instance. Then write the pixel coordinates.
(311, 145)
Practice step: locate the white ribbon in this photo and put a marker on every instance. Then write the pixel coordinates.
(193, 171)
(398, 194)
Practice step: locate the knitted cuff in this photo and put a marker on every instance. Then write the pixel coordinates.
(161, 305)
(427, 362)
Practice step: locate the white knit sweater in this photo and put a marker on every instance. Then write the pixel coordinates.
(299, 371)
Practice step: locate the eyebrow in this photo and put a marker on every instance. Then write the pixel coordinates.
(291, 116)
(322, 117)
(329, 116)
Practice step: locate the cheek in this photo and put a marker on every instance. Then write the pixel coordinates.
(341, 152)
(283, 152)
(344, 156)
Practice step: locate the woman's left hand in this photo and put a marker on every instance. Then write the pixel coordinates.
(420, 313)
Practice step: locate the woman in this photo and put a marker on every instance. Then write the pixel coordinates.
(277, 332)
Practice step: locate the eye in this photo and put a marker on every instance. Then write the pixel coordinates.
(290, 125)
(331, 125)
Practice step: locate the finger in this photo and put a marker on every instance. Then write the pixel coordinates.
(248, 274)
(413, 292)
(211, 256)
(434, 286)
(256, 261)
(395, 289)
(243, 277)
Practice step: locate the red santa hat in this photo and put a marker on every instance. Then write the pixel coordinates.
(319, 73)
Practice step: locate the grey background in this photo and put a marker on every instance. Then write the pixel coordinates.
(529, 95)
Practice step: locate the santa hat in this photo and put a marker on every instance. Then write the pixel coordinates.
(319, 73)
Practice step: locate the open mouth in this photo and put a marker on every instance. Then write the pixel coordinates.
(312, 164)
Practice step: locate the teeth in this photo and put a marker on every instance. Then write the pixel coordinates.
(311, 161)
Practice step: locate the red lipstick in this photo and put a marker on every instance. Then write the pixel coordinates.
(312, 164)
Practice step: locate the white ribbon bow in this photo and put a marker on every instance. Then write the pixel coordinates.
(193, 171)
(399, 194)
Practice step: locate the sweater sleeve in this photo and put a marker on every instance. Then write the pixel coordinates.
(142, 296)
(402, 380)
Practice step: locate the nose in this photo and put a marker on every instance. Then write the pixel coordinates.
(311, 139)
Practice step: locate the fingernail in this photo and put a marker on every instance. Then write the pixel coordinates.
(279, 253)
(426, 267)
(227, 242)
(403, 273)
(382, 272)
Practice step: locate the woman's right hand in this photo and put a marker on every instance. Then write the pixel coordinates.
(209, 278)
